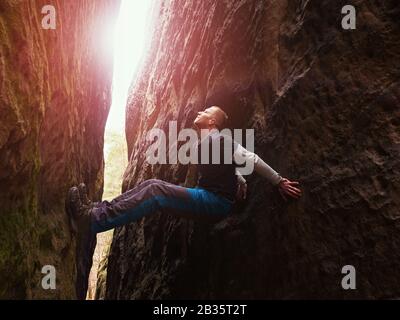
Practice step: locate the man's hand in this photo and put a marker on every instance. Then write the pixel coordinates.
(241, 192)
(287, 187)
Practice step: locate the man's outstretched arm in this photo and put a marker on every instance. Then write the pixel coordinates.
(286, 187)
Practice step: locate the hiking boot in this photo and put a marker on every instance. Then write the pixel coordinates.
(77, 210)
(84, 194)
(80, 218)
(72, 205)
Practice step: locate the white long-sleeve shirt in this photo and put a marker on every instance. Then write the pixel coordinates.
(260, 166)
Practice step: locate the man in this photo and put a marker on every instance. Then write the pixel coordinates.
(217, 188)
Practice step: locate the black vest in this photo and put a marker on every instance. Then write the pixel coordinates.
(219, 178)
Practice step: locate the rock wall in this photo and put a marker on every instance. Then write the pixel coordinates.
(324, 103)
(55, 97)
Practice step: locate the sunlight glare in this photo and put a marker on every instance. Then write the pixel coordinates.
(130, 35)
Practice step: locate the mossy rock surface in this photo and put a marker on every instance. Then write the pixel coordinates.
(55, 97)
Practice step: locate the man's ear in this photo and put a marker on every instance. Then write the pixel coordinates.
(212, 121)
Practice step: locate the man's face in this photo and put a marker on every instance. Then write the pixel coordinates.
(205, 118)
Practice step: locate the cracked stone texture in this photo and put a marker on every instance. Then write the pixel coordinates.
(54, 101)
(324, 103)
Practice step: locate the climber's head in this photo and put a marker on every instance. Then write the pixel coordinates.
(210, 118)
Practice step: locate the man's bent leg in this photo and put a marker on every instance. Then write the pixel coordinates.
(153, 196)
(136, 189)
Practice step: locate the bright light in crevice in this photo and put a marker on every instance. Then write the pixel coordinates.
(130, 38)
(129, 41)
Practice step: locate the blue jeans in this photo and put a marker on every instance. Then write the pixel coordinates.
(156, 195)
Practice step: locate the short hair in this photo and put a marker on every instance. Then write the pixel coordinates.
(221, 117)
